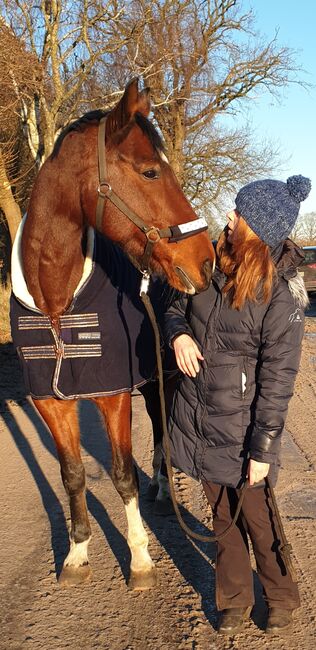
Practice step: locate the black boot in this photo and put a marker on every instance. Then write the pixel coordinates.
(279, 621)
(232, 619)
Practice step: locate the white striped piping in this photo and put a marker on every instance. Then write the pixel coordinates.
(38, 352)
(69, 351)
(79, 320)
(34, 323)
(87, 350)
(66, 321)
(106, 393)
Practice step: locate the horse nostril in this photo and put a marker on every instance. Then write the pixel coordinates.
(207, 270)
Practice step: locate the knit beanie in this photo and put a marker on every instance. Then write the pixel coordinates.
(271, 207)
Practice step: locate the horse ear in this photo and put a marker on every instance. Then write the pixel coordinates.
(130, 103)
(144, 105)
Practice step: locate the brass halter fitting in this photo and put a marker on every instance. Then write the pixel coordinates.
(153, 235)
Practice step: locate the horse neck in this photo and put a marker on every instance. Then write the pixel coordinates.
(52, 243)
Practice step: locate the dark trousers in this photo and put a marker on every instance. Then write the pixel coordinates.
(234, 579)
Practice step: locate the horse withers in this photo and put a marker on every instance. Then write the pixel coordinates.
(106, 172)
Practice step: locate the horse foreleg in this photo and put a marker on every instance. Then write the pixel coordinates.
(62, 420)
(116, 411)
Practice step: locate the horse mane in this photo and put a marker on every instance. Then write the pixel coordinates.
(95, 116)
(76, 125)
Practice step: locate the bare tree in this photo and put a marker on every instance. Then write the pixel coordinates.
(201, 58)
(67, 39)
(48, 51)
(203, 61)
(19, 75)
(304, 232)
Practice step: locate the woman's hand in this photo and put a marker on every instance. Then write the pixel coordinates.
(257, 471)
(187, 354)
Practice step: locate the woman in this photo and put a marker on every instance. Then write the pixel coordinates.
(238, 347)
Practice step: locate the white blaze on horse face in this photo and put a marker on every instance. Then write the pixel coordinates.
(78, 554)
(163, 157)
(137, 538)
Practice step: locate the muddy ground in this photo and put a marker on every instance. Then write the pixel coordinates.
(180, 614)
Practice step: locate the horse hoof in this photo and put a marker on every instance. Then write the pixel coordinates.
(152, 491)
(163, 507)
(142, 580)
(74, 576)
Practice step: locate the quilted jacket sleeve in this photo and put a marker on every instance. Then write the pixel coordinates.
(175, 319)
(281, 337)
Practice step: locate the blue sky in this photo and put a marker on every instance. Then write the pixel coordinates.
(290, 121)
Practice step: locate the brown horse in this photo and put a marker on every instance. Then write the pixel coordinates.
(139, 204)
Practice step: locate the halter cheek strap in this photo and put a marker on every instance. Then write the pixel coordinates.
(153, 234)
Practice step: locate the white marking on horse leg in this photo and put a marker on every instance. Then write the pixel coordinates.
(164, 490)
(78, 554)
(137, 538)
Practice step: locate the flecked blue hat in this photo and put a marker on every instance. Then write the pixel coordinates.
(271, 207)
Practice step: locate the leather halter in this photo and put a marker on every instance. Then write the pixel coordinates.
(153, 234)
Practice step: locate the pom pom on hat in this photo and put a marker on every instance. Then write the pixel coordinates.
(299, 187)
(271, 207)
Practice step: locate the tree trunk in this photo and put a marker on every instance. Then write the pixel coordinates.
(8, 203)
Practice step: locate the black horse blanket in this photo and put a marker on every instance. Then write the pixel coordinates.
(106, 345)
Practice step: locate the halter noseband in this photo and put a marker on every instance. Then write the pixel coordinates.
(153, 234)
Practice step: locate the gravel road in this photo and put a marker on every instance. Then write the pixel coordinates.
(180, 613)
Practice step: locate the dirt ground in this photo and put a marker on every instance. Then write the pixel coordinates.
(180, 614)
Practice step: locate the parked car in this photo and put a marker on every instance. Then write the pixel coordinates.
(308, 268)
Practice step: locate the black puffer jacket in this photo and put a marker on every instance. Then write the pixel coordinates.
(236, 405)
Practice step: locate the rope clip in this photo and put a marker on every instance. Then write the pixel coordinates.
(144, 285)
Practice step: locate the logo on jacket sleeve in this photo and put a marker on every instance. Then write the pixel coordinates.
(295, 317)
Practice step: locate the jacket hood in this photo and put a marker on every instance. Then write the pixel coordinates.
(288, 257)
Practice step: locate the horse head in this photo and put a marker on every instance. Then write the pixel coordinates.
(138, 173)
(68, 193)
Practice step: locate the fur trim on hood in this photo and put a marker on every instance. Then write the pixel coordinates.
(298, 290)
(289, 257)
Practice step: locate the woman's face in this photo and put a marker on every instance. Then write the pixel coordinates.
(233, 219)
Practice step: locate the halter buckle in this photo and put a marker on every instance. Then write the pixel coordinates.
(153, 235)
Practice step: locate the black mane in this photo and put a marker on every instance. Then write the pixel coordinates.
(91, 116)
(148, 129)
(95, 116)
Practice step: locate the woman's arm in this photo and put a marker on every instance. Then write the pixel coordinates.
(178, 335)
(174, 320)
(282, 332)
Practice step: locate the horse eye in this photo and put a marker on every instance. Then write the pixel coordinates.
(151, 173)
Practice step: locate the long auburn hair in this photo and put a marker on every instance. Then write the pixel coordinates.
(248, 265)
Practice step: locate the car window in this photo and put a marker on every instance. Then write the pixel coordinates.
(310, 256)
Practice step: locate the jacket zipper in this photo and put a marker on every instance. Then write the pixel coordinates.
(244, 379)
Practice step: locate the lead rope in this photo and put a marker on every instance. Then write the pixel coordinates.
(285, 548)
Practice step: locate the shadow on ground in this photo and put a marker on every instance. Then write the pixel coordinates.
(193, 560)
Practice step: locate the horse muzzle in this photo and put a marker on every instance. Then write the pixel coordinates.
(191, 286)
